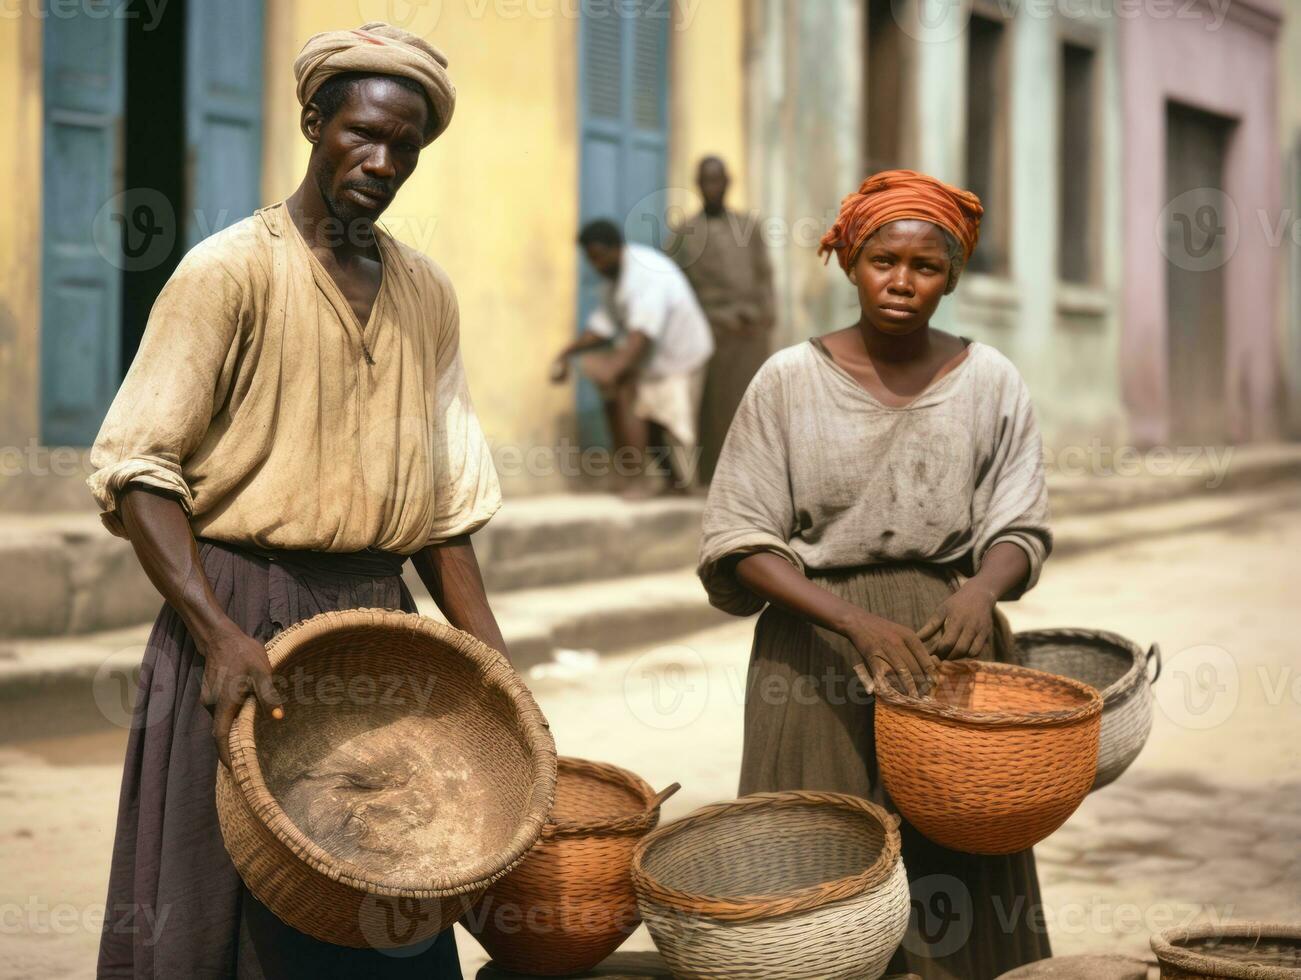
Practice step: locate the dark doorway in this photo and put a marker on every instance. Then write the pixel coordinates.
(155, 163)
(1197, 240)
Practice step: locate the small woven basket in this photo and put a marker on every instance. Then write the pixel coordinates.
(417, 745)
(793, 885)
(571, 903)
(994, 759)
(1118, 668)
(1230, 951)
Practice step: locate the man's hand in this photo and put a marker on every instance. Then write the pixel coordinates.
(559, 373)
(235, 665)
(963, 623)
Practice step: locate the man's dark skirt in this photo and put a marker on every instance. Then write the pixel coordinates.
(176, 907)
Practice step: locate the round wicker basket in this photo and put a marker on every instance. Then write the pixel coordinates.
(793, 885)
(994, 759)
(1230, 951)
(411, 770)
(571, 903)
(1118, 668)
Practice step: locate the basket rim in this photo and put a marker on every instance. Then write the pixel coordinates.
(1164, 946)
(495, 671)
(1123, 686)
(634, 823)
(743, 908)
(930, 708)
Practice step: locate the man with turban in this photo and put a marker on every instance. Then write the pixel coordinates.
(295, 426)
(881, 489)
(726, 261)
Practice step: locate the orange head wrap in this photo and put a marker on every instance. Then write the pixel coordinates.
(894, 195)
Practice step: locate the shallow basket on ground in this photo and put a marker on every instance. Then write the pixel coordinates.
(411, 770)
(571, 903)
(994, 759)
(1230, 951)
(793, 885)
(1118, 668)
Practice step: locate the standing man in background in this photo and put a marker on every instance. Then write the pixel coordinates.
(726, 262)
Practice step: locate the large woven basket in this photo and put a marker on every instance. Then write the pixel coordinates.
(994, 759)
(571, 903)
(1230, 951)
(1118, 668)
(793, 885)
(411, 770)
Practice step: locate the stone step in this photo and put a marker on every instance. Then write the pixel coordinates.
(557, 626)
(63, 573)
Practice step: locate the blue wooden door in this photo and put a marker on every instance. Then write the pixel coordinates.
(623, 105)
(223, 113)
(83, 80)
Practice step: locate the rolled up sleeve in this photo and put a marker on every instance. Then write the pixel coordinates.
(749, 508)
(1017, 509)
(175, 385)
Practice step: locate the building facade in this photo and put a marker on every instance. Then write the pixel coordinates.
(1202, 353)
(138, 133)
(1018, 103)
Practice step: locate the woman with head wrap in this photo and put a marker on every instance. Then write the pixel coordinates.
(881, 488)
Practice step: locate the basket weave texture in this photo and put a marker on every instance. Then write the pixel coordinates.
(469, 707)
(571, 903)
(1114, 665)
(1230, 951)
(793, 885)
(994, 759)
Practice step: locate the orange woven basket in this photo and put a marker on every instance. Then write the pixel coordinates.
(571, 903)
(994, 759)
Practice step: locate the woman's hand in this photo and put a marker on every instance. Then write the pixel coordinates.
(235, 665)
(887, 648)
(963, 623)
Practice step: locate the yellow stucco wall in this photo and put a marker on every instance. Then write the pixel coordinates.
(707, 93)
(20, 224)
(495, 200)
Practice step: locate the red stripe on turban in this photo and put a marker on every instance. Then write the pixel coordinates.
(895, 195)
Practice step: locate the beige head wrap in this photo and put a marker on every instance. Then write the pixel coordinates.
(383, 50)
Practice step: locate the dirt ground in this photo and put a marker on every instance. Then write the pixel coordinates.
(1205, 824)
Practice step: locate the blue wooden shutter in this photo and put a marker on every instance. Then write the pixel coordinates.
(623, 107)
(83, 79)
(223, 113)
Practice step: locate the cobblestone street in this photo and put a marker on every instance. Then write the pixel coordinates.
(1205, 824)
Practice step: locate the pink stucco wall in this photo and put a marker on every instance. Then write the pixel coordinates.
(1174, 51)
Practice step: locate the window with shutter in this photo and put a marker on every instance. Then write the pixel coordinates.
(623, 108)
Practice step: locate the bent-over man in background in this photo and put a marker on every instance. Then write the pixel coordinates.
(295, 425)
(658, 343)
(726, 261)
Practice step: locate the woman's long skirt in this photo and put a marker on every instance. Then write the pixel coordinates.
(176, 907)
(809, 725)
